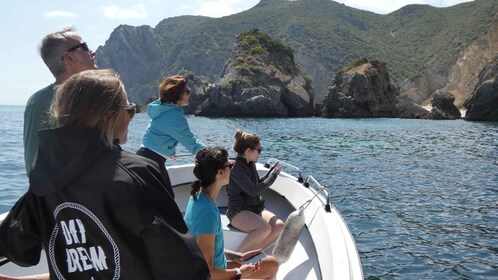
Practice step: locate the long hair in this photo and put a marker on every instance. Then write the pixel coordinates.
(53, 46)
(90, 99)
(172, 88)
(244, 141)
(207, 163)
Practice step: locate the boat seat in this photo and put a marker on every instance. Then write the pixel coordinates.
(232, 236)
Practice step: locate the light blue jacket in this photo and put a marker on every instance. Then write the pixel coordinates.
(167, 128)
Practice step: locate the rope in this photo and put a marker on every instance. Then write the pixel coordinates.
(308, 202)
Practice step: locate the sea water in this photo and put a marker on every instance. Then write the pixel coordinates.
(419, 196)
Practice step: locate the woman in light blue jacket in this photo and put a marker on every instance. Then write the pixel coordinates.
(168, 125)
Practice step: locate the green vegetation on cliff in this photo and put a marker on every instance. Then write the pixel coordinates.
(324, 36)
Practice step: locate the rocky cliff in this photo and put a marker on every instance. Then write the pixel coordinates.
(363, 90)
(324, 35)
(458, 75)
(260, 79)
(483, 104)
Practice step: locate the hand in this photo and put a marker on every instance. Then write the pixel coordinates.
(276, 170)
(249, 254)
(249, 269)
(234, 256)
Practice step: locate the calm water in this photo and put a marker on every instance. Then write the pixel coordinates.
(420, 196)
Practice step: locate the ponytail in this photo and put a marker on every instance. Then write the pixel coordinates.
(194, 189)
(244, 141)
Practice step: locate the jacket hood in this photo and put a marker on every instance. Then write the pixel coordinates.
(63, 154)
(155, 108)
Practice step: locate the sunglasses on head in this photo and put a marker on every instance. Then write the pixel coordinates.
(131, 108)
(83, 46)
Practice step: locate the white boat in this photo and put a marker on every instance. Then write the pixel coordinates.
(325, 249)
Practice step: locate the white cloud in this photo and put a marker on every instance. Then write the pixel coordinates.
(218, 8)
(64, 14)
(115, 12)
(387, 6)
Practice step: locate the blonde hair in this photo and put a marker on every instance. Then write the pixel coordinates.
(90, 99)
(244, 141)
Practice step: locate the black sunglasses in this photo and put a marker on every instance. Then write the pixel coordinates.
(131, 108)
(259, 149)
(83, 45)
(230, 165)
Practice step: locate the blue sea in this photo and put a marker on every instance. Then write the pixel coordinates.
(420, 196)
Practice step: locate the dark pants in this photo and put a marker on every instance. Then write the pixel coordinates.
(145, 152)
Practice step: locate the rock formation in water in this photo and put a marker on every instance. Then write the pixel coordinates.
(260, 80)
(410, 110)
(443, 106)
(362, 91)
(483, 104)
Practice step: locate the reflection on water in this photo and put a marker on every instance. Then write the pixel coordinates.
(420, 196)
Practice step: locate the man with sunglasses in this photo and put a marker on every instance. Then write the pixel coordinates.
(65, 54)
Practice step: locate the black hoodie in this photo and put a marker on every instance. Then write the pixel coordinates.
(99, 213)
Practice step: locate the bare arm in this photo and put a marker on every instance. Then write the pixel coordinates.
(206, 243)
(45, 276)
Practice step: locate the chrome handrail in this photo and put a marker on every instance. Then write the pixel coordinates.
(319, 187)
(274, 160)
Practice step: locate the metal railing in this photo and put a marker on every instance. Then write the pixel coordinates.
(319, 188)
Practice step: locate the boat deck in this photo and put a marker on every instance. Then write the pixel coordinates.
(302, 264)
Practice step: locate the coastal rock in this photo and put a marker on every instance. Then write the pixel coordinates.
(136, 54)
(443, 107)
(458, 74)
(363, 90)
(324, 36)
(260, 80)
(420, 86)
(483, 104)
(410, 110)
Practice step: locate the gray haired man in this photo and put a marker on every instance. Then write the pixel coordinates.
(65, 54)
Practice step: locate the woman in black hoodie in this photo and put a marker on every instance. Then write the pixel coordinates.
(99, 212)
(246, 206)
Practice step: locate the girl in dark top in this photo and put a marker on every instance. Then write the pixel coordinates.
(246, 207)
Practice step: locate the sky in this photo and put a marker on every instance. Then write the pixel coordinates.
(23, 23)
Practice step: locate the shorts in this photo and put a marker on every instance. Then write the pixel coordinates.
(255, 209)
